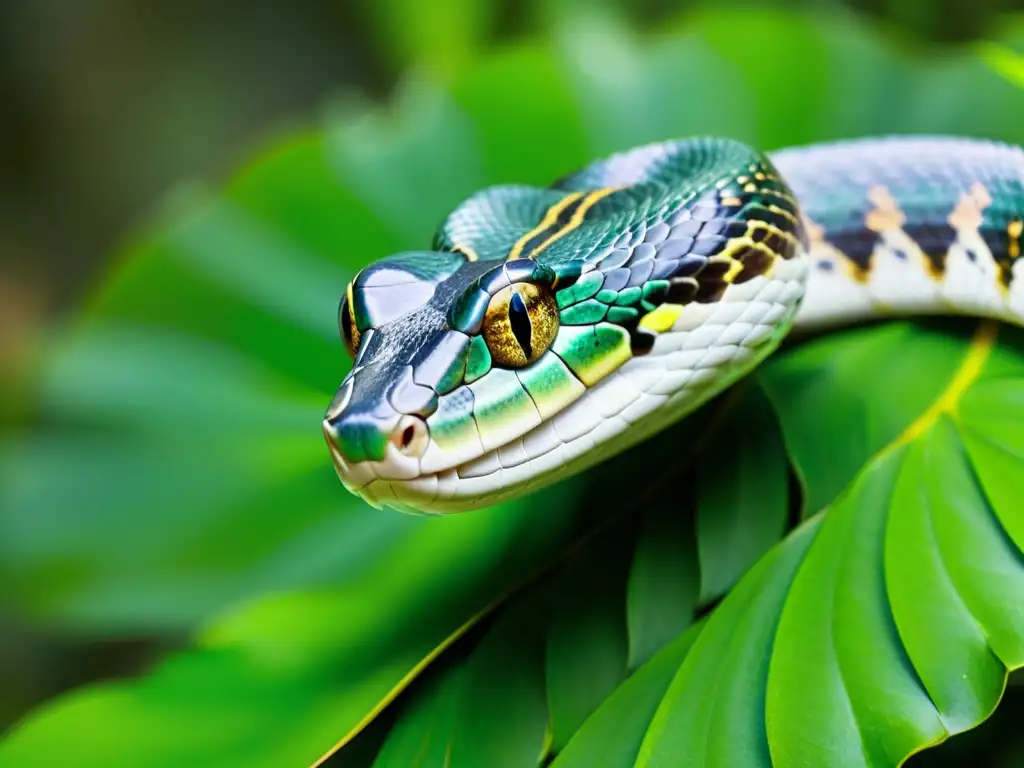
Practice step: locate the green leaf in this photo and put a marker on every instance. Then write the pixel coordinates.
(837, 666)
(712, 713)
(284, 678)
(631, 93)
(819, 391)
(411, 164)
(586, 641)
(912, 552)
(996, 445)
(503, 718)
(664, 580)
(442, 36)
(423, 734)
(611, 737)
(791, 116)
(825, 652)
(743, 498)
(548, 135)
(928, 571)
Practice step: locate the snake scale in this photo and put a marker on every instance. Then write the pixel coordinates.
(548, 329)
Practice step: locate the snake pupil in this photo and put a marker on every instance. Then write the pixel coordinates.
(519, 319)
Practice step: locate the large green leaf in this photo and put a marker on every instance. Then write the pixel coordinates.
(844, 666)
(612, 736)
(284, 678)
(181, 470)
(423, 732)
(822, 393)
(587, 642)
(664, 579)
(503, 718)
(826, 652)
(743, 496)
(586, 628)
(892, 570)
(711, 713)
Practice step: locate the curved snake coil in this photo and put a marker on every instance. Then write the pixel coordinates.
(551, 328)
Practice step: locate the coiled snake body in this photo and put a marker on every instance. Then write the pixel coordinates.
(551, 328)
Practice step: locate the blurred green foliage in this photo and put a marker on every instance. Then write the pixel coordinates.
(172, 486)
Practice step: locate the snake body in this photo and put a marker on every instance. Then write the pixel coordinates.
(548, 329)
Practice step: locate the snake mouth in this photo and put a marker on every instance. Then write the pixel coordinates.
(585, 432)
(448, 490)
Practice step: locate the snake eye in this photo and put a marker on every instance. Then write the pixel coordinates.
(520, 323)
(347, 324)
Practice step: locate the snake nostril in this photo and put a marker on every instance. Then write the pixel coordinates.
(411, 436)
(407, 435)
(357, 436)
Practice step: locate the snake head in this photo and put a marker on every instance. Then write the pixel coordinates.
(480, 382)
(553, 328)
(453, 363)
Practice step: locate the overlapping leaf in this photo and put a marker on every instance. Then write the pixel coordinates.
(590, 624)
(883, 624)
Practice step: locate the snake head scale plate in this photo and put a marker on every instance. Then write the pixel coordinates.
(551, 328)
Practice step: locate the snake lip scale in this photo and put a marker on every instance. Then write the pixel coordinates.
(548, 329)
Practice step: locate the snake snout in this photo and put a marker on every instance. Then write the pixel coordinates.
(369, 436)
(361, 435)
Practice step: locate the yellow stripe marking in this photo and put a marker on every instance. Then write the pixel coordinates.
(588, 202)
(735, 267)
(978, 352)
(349, 291)
(348, 295)
(1014, 231)
(545, 223)
(466, 251)
(783, 213)
(661, 318)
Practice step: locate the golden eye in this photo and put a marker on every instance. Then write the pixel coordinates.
(520, 323)
(347, 323)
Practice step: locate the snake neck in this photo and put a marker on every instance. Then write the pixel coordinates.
(909, 226)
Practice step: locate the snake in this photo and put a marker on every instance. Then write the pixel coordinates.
(548, 329)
